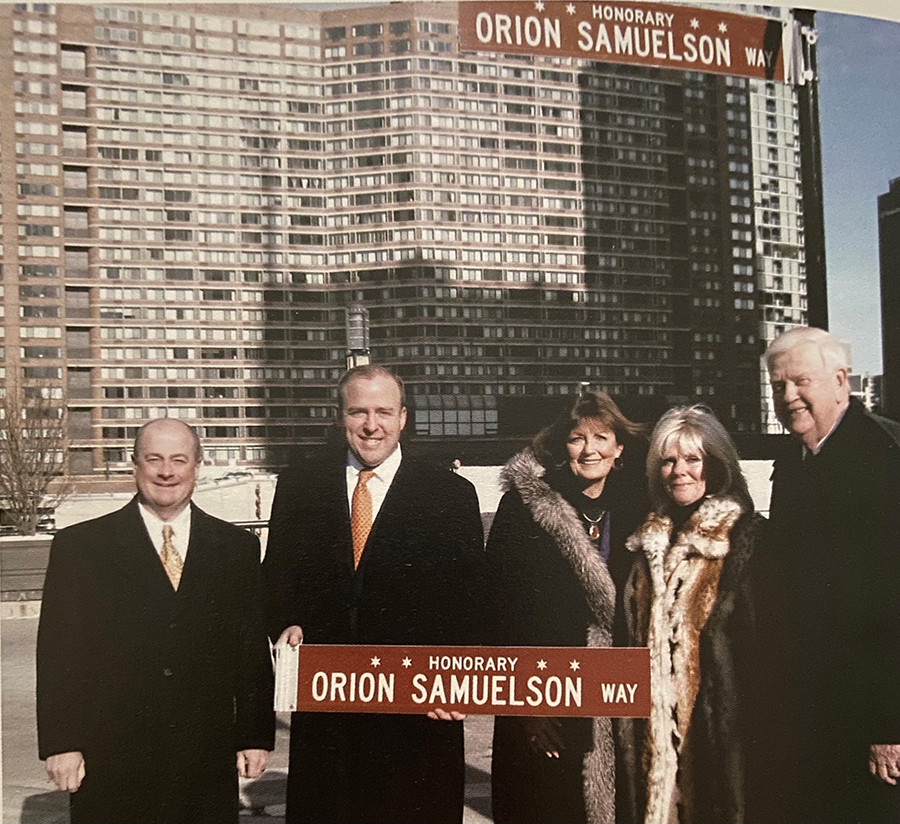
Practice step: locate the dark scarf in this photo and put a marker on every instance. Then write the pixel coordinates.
(570, 487)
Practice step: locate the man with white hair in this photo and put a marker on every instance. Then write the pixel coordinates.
(828, 600)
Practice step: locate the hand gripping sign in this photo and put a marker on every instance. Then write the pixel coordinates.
(559, 681)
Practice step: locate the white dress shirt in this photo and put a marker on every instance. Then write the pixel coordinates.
(379, 483)
(181, 529)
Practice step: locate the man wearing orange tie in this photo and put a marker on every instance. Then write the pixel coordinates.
(370, 546)
(154, 679)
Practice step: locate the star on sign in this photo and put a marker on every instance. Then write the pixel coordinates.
(574, 665)
(407, 662)
(542, 664)
(695, 23)
(570, 9)
(375, 662)
(723, 27)
(539, 6)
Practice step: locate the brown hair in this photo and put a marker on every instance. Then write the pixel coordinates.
(549, 445)
(368, 371)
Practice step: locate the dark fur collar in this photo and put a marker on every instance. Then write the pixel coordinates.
(558, 518)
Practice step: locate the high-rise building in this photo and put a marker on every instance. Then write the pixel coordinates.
(868, 388)
(207, 210)
(889, 254)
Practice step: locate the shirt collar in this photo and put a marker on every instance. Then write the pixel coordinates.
(820, 444)
(385, 471)
(181, 523)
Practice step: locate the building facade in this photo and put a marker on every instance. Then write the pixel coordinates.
(889, 260)
(205, 208)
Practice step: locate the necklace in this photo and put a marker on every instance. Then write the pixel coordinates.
(594, 529)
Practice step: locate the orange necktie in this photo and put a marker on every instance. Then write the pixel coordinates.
(170, 558)
(361, 514)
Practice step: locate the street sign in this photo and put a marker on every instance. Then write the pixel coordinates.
(651, 34)
(557, 681)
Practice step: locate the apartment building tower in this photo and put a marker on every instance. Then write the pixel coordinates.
(206, 207)
(889, 260)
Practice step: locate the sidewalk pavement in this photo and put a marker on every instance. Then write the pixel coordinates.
(27, 796)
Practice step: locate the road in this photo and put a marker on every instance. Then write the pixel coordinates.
(27, 796)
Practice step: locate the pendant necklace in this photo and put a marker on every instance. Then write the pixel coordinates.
(594, 529)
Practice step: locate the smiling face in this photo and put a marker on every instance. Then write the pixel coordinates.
(592, 449)
(683, 474)
(372, 417)
(809, 397)
(166, 467)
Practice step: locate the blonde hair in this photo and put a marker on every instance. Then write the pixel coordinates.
(368, 371)
(696, 429)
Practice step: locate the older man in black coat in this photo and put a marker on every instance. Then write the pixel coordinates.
(154, 679)
(370, 546)
(828, 579)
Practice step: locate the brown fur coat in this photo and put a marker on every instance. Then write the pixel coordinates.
(687, 600)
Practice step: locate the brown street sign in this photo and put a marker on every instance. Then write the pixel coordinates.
(562, 681)
(651, 34)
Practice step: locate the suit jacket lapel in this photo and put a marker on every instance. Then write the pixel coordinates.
(398, 490)
(334, 496)
(201, 553)
(403, 489)
(132, 553)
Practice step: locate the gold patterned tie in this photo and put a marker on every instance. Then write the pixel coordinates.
(361, 514)
(170, 558)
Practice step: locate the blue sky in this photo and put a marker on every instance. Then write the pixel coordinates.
(859, 97)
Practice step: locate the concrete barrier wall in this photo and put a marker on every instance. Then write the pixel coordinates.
(23, 561)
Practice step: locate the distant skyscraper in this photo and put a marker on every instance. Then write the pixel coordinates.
(889, 253)
(206, 209)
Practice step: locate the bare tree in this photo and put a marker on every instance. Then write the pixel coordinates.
(32, 454)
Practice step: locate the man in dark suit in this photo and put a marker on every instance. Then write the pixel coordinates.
(369, 546)
(154, 678)
(828, 600)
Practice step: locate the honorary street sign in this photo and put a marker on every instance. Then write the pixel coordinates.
(481, 680)
(651, 34)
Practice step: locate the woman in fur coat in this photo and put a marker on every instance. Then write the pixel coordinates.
(687, 599)
(557, 557)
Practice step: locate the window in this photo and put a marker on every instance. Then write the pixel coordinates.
(368, 30)
(455, 415)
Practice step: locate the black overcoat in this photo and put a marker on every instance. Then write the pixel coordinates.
(417, 583)
(550, 587)
(829, 628)
(158, 689)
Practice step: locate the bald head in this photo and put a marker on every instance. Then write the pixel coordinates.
(172, 425)
(167, 458)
